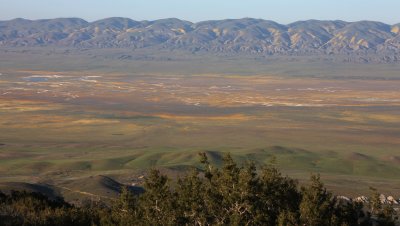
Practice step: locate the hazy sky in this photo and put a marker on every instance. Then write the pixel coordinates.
(283, 11)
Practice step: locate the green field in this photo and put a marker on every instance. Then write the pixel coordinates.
(62, 121)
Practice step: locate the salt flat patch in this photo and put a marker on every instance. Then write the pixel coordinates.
(15, 88)
(283, 89)
(86, 79)
(193, 117)
(48, 76)
(161, 85)
(374, 99)
(42, 91)
(305, 105)
(43, 78)
(94, 121)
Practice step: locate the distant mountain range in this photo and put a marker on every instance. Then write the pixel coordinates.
(253, 36)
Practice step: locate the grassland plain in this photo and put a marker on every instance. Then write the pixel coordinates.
(65, 122)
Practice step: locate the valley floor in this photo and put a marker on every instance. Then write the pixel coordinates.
(59, 125)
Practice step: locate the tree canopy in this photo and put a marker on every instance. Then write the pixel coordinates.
(230, 195)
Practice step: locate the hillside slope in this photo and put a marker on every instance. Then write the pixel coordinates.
(247, 35)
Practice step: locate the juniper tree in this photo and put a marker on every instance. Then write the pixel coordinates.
(191, 204)
(157, 202)
(317, 205)
(125, 209)
(278, 194)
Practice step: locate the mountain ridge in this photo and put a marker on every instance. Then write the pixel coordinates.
(247, 35)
